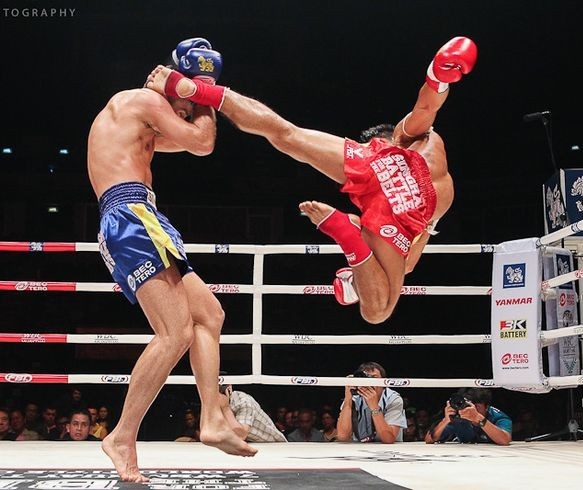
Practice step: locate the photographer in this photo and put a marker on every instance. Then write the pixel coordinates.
(371, 413)
(469, 417)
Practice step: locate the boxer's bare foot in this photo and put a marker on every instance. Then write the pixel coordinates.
(219, 435)
(318, 211)
(124, 458)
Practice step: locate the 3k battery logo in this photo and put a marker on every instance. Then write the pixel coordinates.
(513, 329)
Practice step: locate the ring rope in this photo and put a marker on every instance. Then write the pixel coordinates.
(278, 339)
(120, 379)
(310, 289)
(234, 249)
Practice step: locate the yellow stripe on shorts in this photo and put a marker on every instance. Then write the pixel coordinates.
(159, 237)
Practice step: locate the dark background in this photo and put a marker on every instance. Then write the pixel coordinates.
(338, 66)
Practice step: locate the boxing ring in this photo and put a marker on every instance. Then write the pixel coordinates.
(312, 465)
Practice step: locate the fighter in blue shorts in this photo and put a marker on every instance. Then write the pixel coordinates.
(136, 241)
(145, 254)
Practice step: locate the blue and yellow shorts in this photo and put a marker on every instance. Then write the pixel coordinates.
(136, 241)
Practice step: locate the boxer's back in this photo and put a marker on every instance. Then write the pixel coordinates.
(121, 144)
(432, 149)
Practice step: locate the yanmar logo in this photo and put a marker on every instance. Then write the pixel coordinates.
(318, 290)
(304, 380)
(18, 378)
(31, 286)
(115, 379)
(513, 301)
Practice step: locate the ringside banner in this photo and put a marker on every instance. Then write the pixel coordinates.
(516, 316)
(562, 312)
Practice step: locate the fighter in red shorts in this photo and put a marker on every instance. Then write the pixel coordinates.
(399, 179)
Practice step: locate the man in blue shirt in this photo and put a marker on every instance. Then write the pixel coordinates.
(371, 413)
(472, 419)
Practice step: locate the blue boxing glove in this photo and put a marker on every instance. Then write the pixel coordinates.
(184, 46)
(195, 59)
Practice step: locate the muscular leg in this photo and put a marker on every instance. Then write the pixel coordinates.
(208, 316)
(378, 292)
(323, 151)
(165, 304)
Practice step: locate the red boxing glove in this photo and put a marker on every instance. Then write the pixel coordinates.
(455, 58)
(202, 93)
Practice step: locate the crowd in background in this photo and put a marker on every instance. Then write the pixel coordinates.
(36, 419)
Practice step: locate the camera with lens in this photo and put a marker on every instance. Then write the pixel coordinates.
(359, 374)
(458, 402)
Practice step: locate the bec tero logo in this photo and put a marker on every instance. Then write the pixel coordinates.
(31, 286)
(312, 249)
(18, 378)
(388, 231)
(514, 276)
(397, 382)
(567, 299)
(513, 329)
(512, 360)
(318, 290)
(115, 379)
(304, 380)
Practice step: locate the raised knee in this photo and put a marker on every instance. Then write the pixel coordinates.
(285, 138)
(375, 314)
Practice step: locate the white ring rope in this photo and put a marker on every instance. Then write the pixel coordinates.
(257, 339)
(279, 339)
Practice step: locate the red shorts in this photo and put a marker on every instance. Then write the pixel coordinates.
(392, 188)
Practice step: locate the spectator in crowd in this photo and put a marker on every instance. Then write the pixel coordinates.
(526, 425)
(279, 419)
(191, 428)
(6, 432)
(49, 429)
(71, 401)
(305, 431)
(423, 421)
(62, 423)
(19, 428)
(103, 418)
(289, 422)
(410, 433)
(329, 430)
(32, 419)
(79, 426)
(96, 429)
(247, 418)
(371, 413)
(469, 417)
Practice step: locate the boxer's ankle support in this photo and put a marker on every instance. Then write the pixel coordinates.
(203, 94)
(345, 233)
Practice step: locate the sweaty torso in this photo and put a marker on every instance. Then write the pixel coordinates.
(432, 149)
(121, 144)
